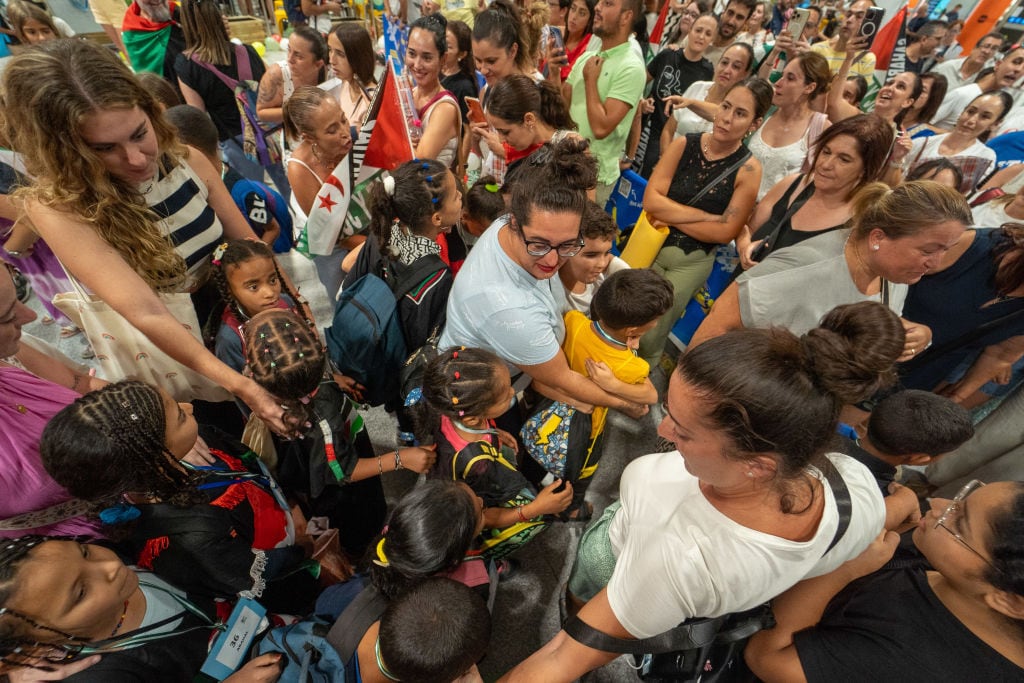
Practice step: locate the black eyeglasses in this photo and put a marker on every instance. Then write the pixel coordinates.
(539, 248)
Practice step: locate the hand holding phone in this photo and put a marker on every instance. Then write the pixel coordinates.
(870, 25)
(476, 110)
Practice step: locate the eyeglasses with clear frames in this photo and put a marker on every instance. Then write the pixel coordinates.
(951, 512)
(540, 248)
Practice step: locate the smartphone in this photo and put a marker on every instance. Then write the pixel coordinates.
(476, 110)
(556, 33)
(872, 22)
(797, 22)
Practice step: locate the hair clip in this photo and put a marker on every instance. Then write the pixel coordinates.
(455, 400)
(492, 187)
(389, 185)
(462, 413)
(456, 375)
(218, 253)
(300, 354)
(263, 335)
(381, 560)
(273, 364)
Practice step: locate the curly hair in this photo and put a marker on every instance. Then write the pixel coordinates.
(47, 93)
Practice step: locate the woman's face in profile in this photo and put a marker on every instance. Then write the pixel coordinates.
(943, 176)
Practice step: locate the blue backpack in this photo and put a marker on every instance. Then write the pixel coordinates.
(365, 339)
(308, 657)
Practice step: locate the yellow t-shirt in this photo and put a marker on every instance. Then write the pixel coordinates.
(865, 66)
(582, 342)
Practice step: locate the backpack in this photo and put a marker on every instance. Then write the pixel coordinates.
(293, 10)
(257, 143)
(365, 340)
(308, 657)
(344, 636)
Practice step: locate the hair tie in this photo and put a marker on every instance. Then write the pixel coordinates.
(425, 166)
(455, 354)
(456, 375)
(429, 178)
(455, 400)
(218, 253)
(381, 560)
(389, 186)
(492, 187)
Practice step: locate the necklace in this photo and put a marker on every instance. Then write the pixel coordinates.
(120, 622)
(610, 339)
(707, 151)
(471, 430)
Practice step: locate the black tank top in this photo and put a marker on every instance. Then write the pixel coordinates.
(781, 218)
(695, 171)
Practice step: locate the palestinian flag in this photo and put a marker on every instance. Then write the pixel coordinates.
(145, 41)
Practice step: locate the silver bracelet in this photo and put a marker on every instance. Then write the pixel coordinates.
(398, 461)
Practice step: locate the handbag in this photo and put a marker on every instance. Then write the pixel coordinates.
(644, 243)
(123, 352)
(708, 650)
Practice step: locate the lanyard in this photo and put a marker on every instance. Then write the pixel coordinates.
(610, 339)
(471, 430)
(144, 635)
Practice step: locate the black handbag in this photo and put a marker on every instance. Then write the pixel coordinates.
(705, 650)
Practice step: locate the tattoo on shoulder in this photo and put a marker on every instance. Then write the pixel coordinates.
(748, 167)
(269, 92)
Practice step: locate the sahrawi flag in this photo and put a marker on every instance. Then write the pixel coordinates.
(383, 145)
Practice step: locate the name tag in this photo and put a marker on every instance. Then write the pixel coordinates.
(230, 647)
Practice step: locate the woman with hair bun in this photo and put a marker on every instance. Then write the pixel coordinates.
(507, 299)
(742, 510)
(524, 114)
(898, 236)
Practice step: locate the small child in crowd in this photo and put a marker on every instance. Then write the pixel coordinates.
(583, 273)
(909, 427)
(333, 468)
(566, 441)
(263, 207)
(249, 281)
(464, 391)
(482, 205)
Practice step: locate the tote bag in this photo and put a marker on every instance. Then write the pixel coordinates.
(124, 352)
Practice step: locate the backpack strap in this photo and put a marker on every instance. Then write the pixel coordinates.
(242, 63)
(353, 623)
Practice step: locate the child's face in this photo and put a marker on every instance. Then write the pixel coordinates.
(588, 265)
(472, 225)
(36, 32)
(180, 427)
(504, 394)
(451, 204)
(254, 285)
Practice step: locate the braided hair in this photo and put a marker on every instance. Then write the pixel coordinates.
(459, 382)
(113, 441)
(285, 357)
(411, 195)
(234, 253)
(18, 648)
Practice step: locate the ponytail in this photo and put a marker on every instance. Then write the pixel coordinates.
(411, 194)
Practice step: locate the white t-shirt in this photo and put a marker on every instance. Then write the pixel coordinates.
(497, 305)
(678, 557)
(991, 215)
(795, 287)
(688, 121)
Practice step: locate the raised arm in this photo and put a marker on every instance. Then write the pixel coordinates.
(837, 108)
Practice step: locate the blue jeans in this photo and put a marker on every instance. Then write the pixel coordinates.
(232, 153)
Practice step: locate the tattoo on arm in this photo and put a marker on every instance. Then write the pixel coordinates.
(729, 213)
(269, 93)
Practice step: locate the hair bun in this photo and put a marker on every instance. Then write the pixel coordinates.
(852, 353)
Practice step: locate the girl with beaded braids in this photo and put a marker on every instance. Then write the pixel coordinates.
(98, 197)
(218, 530)
(333, 471)
(464, 391)
(62, 600)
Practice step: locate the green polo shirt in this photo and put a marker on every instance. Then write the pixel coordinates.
(622, 78)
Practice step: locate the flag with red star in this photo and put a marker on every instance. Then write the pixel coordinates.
(326, 220)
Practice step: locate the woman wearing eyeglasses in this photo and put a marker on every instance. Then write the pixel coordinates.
(507, 299)
(961, 620)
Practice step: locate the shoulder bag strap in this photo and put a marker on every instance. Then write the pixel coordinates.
(844, 502)
(414, 274)
(225, 79)
(722, 176)
(242, 63)
(801, 199)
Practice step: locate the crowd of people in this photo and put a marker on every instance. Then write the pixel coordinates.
(211, 464)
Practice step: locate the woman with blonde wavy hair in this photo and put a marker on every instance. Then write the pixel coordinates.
(128, 210)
